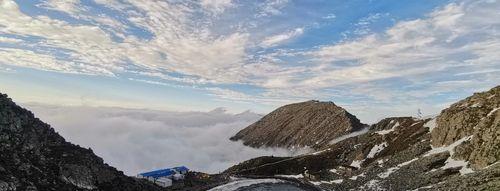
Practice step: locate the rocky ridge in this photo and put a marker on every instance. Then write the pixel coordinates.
(306, 124)
(457, 150)
(34, 157)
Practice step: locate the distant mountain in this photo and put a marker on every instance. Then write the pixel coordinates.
(312, 124)
(457, 150)
(34, 157)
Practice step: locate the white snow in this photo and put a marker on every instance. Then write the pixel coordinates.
(476, 105)
(450, 162)
(431, 124)
(291, 176)
(381, 161)
(333, 171)
(450, 148)
(430, 186)
(357, 176)
(242, 183)
(319, 152)
(327, 182)
(356, 163)
(353, 134)
(394, 169)
(338, 181)
(383, 132)
(492, 111)
(372, 185)
(376, 149)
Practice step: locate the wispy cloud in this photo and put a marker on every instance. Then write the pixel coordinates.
(277, 39)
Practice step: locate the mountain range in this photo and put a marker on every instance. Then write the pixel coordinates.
(458, 149)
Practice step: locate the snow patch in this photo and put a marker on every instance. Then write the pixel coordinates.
(333, 171)
(394, 169)
(319, 152)
(353, 134)
(357, 176)
(384, 132)
(291, 176)
(492, 111)
(450, 148)
(376, 149)
(317, 183)
(431, 124)
(381, 161)
(424, 187)
(356, 163)
(372, 185)
(243, 183)
(450, 162)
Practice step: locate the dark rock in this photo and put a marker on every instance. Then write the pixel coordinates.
(34, 157)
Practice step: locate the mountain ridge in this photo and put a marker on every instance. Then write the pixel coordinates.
(305, 124)
(457, 150)
(35, 157)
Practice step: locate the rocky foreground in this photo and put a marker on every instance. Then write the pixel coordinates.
(34, 157)
(457, 150)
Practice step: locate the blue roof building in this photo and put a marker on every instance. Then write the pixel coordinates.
(163, 177)
(181, 169)
(159, 173)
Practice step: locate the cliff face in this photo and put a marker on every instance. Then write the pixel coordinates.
(34, 157)
(476, 119)
(457, 150)
(312, 123)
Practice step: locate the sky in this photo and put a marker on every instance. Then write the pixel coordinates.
(376, 58)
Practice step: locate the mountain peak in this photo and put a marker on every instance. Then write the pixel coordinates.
(306, 124)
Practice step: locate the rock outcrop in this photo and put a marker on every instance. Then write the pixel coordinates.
(34, 157)
(307, 124)
(457, 150)
(476, 119)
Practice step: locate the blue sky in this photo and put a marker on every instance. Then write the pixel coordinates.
(376, 58)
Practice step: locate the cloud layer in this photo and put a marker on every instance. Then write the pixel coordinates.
(140, 140)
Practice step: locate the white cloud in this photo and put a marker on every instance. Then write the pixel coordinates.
(68, 6)
(6, 70)
(216, 6)
(454, 36)
(272, 7)
(280, 38)
(140, 140)
(460, 40)
(330, 16)
(178, 44)
(9, 40)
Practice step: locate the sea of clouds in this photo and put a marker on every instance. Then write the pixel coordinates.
(135, 140)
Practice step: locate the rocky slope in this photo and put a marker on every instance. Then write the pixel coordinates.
(34, 157)
(312, 124)
(457, 150)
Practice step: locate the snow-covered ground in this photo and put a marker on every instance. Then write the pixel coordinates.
(353, 134)
(383, 132)
(243, 183)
